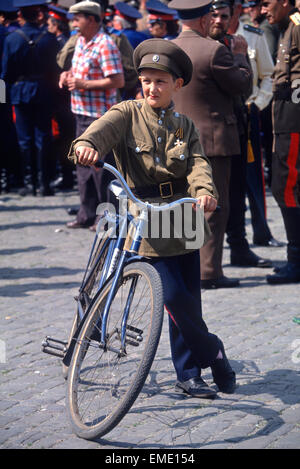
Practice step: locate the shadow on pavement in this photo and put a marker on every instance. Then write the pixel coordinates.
(282, 384)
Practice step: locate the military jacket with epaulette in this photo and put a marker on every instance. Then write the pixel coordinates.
(286, 109)
(152, 146)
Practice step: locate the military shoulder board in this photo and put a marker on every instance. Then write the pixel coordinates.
(252, 29)
(295, 18)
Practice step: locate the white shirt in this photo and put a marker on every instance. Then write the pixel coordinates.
(262, 67)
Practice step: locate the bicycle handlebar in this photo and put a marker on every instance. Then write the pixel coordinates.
(115, 172)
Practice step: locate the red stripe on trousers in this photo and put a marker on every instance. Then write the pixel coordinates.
(170, 314)
(291, 182)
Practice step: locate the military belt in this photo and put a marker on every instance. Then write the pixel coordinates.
(165, 190)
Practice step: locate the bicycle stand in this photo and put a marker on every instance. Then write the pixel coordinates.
(59, 350)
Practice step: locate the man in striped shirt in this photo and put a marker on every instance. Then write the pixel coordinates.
(93, 80)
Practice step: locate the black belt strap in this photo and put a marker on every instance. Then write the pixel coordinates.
(165, 190)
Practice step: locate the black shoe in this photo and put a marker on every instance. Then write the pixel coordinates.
(272, 242)
(46, 191)
(223, 374)
(196, 387)
(27, 190)
(222, 282)
(72, 211)
(278, 269)
(289, 273)
(63, 186)
(249, 259)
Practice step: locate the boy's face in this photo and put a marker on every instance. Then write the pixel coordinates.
(159, 87)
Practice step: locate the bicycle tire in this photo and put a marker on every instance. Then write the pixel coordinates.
(100, 392)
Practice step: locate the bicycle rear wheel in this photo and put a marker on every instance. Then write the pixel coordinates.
(104, 383)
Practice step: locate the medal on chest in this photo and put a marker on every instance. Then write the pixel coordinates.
(179, 135)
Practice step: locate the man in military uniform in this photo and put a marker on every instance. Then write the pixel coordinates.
(124, 20)
(261, 95)
(224, 17)
(219, 75)
(162, 21)
(286, 119)
(10, 159)
(29, 69)
(158, 152)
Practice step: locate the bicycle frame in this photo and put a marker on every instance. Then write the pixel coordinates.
(134, 248)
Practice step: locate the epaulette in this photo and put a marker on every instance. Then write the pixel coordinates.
(295, 18)
(252, 29)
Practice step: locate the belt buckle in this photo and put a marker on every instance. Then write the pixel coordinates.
(161, 190)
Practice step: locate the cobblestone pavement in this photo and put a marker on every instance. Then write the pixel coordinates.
(41, 265)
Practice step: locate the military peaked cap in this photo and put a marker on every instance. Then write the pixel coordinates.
(160, 11)
(7, 8)
(29, 3)
(218, 4)
(190, 9)
(163, 55)
(126, 11)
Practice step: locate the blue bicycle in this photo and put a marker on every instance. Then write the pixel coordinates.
(118, 322)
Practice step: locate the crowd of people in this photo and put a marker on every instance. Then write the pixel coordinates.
(65, 67)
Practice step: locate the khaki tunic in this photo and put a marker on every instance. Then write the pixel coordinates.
(148, 153)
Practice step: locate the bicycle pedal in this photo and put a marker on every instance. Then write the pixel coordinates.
(135, 334)
(54, 347)
(133, 342)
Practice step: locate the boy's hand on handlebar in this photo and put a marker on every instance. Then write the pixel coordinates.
(208, 203)
(86, 155)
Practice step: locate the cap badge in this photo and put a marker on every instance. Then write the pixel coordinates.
(155, 58)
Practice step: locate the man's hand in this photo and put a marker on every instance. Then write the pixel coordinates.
(208, 203)
(63, 79)
(239, 45)
(86, 156)
(75, 83)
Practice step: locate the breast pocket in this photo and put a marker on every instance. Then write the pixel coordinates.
(177, 157)
(141, 152)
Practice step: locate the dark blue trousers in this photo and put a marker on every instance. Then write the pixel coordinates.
(192, 346)
(33, 125)
(256, 183)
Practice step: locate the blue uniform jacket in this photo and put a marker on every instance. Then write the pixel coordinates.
(135, 37)
(29, 72)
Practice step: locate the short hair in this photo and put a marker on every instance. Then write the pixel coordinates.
(62, 26)
(97, 18)
(30, 14)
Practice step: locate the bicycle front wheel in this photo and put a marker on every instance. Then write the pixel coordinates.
(104, 382)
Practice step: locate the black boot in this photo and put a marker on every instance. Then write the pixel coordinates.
(290, 272)
(247, 258)
(29, 172)
(223, 374)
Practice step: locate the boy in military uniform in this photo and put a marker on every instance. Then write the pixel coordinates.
(159, 153)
